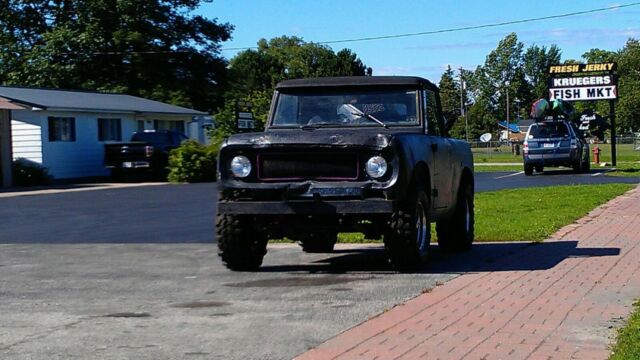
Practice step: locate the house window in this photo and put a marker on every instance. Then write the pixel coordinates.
(62, 129)
(174, 125)
(109, 130)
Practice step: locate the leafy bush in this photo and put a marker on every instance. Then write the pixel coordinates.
(192, 162)
(30, 173)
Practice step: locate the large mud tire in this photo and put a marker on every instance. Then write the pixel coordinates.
(241, 245)
(408, 233)
(456, 234)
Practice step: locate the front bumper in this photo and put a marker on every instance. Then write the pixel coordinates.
(301, 207)
(130, 165)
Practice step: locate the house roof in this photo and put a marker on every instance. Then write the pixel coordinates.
(70, 100)
(357, 81)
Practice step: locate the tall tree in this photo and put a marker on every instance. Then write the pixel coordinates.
(599, 56)
(254, 73)
(628, 108)
(151, 48)
(536, 62)
(450, 97)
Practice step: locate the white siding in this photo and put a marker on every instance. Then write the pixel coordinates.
(85, 156)
(26, 135)
(81, 158)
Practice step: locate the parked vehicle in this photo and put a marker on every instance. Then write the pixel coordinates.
(363, 154)
(555, 143)
(148, 151)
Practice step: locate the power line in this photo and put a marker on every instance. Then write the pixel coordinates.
(464, 28)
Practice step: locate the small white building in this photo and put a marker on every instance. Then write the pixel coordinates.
(65, 131)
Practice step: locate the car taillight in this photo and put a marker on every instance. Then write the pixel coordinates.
(574, 144)
(525, 149)
(148, 151)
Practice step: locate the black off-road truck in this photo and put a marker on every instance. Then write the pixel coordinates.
(348, 154)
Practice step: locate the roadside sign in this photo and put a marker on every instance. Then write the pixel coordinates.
(587, 82)
(584, 93)
(583, 82)
(244, 116)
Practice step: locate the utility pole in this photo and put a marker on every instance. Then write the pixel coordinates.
(507, 90)
(463, 86)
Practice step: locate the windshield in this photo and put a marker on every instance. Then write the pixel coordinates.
(356, 108)
(548, 130)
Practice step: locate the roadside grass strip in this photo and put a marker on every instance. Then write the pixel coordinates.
(531, 214)
(534, 214)
(624, 170)
(628, 341)
(494, 168)
(502, 154)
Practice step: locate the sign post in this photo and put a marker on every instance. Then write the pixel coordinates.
(244, 117)
(587, 82)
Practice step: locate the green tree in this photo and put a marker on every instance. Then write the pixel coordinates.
(599, 56)
(628, 107)
(450, 100)
(150, 48)
(536, 62)
(501, 76)
(255, 73)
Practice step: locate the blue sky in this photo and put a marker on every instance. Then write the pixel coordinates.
(428, 55)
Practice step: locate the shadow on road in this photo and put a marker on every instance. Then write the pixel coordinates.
(482, 258)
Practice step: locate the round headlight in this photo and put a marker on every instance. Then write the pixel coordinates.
(376, 167)
(240, 166)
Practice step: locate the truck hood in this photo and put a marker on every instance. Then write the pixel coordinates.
(374, 138)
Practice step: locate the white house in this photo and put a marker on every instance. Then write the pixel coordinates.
(65, 131)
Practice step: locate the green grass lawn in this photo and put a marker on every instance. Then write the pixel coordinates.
(502, 154)
(627, 169)
(534, 214)
(529, 214)
(624, 152)
(494, 168)
(628, 341)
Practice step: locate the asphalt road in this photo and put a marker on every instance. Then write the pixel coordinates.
(133, 273)
(490, 181)
(176, 213)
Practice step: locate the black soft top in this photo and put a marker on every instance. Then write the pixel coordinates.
(357, 81)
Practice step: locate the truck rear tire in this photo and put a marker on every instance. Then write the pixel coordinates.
(408, 234)
(456, 234)
(240, 244)
(319, 242)
(528, 169)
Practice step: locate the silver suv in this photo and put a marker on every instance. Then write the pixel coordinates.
(555, 143)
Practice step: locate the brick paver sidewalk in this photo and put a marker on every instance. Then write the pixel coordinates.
(561, 299)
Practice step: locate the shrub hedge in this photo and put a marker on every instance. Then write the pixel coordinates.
(193, 162)
(30, 173)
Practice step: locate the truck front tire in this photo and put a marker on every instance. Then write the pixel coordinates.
(456, 234)
(408, 232)
(240, 244)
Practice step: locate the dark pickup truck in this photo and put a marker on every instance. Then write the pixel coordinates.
(147, 151)
(353, 154)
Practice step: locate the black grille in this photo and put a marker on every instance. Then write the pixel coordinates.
(300, 166)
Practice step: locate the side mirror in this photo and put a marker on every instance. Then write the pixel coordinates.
(448, 125)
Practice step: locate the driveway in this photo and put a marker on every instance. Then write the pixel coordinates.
(133, 273)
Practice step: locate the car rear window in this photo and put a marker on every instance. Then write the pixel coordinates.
(548, 130)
